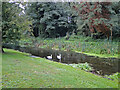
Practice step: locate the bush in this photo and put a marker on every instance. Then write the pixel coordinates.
(82, 66)
(114, 76)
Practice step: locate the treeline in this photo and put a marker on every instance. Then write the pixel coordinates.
(56, 19)
(52, 20)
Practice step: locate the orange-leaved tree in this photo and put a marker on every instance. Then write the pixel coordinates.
(97, 16)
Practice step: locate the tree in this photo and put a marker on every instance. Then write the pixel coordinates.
(13, 23)
(97, 16)
(0, 26)
(51, 19)
(116, 18)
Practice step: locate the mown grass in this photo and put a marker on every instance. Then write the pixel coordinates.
(19, 70)
(0, 70)
(81, 44)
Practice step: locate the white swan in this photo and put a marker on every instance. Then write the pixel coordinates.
(59, 57)
(49, 57)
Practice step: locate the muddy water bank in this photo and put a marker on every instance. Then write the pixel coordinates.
(105, 66)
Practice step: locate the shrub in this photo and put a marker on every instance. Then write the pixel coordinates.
(83, 66)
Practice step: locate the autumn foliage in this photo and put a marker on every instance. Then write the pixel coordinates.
(100, 13)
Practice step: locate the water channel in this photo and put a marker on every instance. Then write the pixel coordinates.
(106, 66)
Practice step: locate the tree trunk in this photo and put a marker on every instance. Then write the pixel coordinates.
(2, 50)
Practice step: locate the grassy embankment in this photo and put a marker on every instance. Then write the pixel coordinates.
(19, 70)
(81, 44)
(0, 70)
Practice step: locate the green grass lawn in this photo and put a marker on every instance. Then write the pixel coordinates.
(19, 70)
(0, 70)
